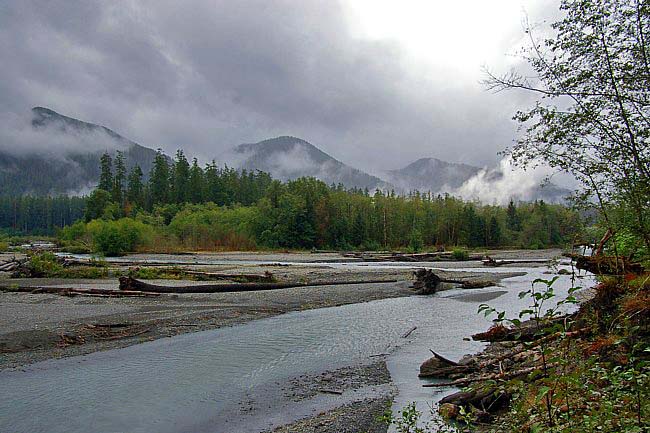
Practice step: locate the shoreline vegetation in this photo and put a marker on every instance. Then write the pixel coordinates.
(189, 208)
(586, 371)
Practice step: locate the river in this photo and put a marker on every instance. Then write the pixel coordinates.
(234, 379)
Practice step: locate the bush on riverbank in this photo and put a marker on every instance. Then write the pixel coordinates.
(600, 381)
(48, 265)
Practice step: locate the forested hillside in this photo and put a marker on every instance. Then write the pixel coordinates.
(185, 206)
(65, 158)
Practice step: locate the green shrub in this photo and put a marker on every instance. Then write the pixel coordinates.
(415, 241)
(78, 249)
(113, 238)
(460, 254)
(48, 265)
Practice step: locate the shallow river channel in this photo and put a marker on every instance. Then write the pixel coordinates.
(235, 379)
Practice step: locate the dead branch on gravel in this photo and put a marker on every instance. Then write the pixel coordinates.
(127, 283)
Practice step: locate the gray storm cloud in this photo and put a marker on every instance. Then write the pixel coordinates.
(207, 75)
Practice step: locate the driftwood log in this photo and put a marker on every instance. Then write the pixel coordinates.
(606, 265)
(128, 283)
(266, 277)
(73, 291)
(489, 261)
(407, 257)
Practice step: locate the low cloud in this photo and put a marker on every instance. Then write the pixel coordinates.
(507, 181)
(18, 137)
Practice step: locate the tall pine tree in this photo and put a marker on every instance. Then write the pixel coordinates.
(106, 174)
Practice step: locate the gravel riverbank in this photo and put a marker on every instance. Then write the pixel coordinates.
(40, 326)
(37, 327)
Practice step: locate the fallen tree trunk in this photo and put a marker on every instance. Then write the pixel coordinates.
(484, 378)
(489, 261)
(606, 265)
(71, 291)
(128, 283)
(266, 277)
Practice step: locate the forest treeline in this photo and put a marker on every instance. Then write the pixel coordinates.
(36, 215)
(185, 206)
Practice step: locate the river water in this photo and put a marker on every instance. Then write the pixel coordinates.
(234, 379)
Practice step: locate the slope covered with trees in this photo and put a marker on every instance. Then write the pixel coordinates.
(185, 206)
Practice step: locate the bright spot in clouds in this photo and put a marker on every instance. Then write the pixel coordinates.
(460, 35)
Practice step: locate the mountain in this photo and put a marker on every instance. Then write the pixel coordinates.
(290, 157)
(431, 174)
(65, 156)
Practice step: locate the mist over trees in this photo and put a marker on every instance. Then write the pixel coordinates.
(185, 206)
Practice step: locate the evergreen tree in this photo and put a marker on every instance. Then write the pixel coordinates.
(512, 217)
(159, 180)
(106, 174)
(135, 191)
(196, 191)
(181, 177)
(119, 179)
(494, 232)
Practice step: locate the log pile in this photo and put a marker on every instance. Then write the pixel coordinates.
(266, 277)
(407, 257)
(489, 261)
(485, 372)
(13, 264)
(101, 332)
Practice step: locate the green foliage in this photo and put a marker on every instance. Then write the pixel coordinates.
(97, 203)
(629, 244)
(243, 210)
(409, 420)
(415, 241)
(113, 238)
(48, 265)
(460, 254)
(152, 273)
(212, 227)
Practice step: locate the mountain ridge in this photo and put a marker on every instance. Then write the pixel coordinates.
(64, 171)
(75, 168)
(287, 157)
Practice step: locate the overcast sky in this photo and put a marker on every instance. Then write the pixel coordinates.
(377, 84)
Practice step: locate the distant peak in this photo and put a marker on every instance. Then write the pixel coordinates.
(43, 110)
